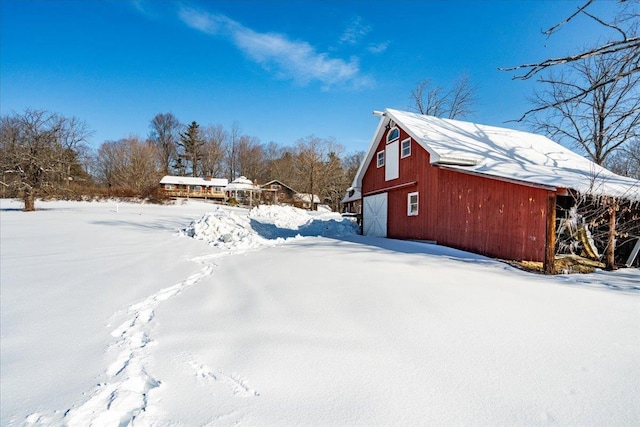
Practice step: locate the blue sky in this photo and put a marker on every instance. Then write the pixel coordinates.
(280, 70)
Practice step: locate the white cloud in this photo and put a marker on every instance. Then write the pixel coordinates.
(202, 21)
(378, 48)
(146, 8)
(288, 59)
(355, 31)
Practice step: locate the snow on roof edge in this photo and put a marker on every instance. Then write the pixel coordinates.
(190, 180)
(557, 167)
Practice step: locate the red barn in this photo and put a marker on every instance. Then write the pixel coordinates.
(483, 189)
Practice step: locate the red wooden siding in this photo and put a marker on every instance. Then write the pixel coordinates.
(410, 169)
(491, 217)
(481, 215)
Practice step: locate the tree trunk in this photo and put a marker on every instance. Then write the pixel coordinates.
(550, 243)
(29, 201)
(611, 241)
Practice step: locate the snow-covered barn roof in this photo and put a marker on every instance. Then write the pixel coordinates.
(189, 180)
(502, 154)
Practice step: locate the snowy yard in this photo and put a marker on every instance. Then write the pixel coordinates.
(190, 315)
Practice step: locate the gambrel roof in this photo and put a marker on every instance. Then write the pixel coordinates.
(503, 154)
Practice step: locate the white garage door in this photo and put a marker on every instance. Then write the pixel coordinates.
(374, 215)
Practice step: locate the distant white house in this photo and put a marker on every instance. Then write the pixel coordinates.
(187, 186)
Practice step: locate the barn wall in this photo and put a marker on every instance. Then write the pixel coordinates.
(423, 226)
(410, 167)
(491, 217)
(486, 216)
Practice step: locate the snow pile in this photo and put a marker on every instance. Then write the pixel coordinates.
(225, 229)
(267, 226)
(281, 216)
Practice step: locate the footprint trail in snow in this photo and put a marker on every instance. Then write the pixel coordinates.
(123, 396)
(122, 399)
(119, 400)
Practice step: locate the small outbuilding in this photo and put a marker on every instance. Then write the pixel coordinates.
(352, 201)
(484, 189)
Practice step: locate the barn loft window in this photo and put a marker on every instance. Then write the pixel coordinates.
(380, 159)
(406, 148)
(412, 204)
(392, 135)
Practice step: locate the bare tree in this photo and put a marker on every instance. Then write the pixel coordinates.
(129, 164)
(281, 161)
(106, 163)
(453, 104)
(213, 155)
(428, 99)
(251, 158)
(351, 164)
(623, 42)
(334, 180)
(165, 130)
(626, 161)
(37, 149)
(232, 151)
(602, 120)
(315, 165)
(462, 98)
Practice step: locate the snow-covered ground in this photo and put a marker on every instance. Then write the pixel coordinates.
(191, 315)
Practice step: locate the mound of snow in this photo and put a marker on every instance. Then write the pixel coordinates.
(224, 228)
(266, 226)
(281, 216)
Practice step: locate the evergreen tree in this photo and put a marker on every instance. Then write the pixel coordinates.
(191, 144)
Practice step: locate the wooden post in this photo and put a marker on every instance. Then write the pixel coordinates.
(611, 240)
(550, 242)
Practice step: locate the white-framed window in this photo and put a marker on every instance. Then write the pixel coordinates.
(392, 135)
(169, 187)
(380, 159)
(412, 204)
(406, 148)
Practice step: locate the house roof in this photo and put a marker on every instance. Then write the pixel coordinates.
(352, 195)
(189, 180)
(306, 197)
(503, 154)
(275, 181)
(242, 183)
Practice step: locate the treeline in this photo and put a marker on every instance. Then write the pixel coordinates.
(43, 154)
